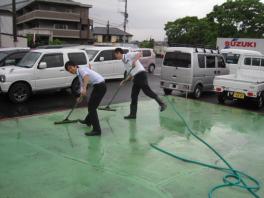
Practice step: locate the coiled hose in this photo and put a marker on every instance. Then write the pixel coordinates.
(233, 178)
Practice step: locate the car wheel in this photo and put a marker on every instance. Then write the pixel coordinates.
(75, 87)
(19, 92)
(151, 68)
(167, 91)
(221, 98)
(259, 102)
(197, 91)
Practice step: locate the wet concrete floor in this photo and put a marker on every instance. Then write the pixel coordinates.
(40, 159)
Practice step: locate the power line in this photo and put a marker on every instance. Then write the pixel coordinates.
(106, 21)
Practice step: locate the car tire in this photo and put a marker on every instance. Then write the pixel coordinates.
(167, 91)
(221, 98)
(75, 87)
(19, 92)
(151, 68)
(197, 91)
(260, 102)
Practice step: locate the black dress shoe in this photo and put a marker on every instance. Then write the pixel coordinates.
(130, 117)
(93, 133)
(85, 122)
(163, 107)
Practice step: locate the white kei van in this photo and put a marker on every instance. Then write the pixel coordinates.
(103, 61)
(191, 70)
(39, 70)
(233, 56)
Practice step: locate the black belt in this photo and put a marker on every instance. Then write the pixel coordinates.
(99, 84)
(141, 72)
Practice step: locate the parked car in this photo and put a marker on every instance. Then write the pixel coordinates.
(246, 84)
(11, 56)
(232, 57)
(148, 59)
(56, 46)
(103, 61)
(191, 70)
(40, 70)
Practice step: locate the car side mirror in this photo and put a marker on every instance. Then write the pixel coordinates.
(101, 58)
(10, 62)
(42, 65)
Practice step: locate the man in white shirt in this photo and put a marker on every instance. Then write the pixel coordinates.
(87, 76)
(140, 82)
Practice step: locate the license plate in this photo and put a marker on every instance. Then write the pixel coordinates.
(239, 95)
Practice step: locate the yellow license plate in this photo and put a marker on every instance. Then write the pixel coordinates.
(239, 95)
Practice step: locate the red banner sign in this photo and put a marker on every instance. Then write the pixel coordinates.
(240, 44)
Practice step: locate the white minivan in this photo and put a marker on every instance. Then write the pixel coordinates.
(191, 70)
(233, 57)
(39, 70)
(103, 61)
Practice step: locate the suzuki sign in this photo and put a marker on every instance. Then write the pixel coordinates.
(241, 43)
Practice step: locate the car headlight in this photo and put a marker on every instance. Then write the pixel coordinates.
(2, 78)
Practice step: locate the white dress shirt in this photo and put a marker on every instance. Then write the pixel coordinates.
(128, 60)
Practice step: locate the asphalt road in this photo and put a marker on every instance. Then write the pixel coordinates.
(59, 100)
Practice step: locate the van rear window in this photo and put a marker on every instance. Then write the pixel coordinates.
(177, 59)
(231, 58)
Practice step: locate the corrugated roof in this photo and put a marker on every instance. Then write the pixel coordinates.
(112, 31)
(7, 4)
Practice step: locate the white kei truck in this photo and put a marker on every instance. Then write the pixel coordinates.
(246, 84)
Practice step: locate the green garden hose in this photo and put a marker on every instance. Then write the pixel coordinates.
(234, 178)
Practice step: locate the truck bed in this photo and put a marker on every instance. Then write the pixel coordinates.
(244, 79)
(245, 75)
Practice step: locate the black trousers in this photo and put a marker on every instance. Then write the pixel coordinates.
(94, 101)
(140, 82)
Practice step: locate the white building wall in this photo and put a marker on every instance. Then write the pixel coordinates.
(8, 41)
(6, 24)
(99, 38)
(113, 39)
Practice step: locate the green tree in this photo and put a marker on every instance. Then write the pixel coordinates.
(30, 40)
(147, 43)
(56, 42)
(234, 18)
(191, 30)
(239, 18)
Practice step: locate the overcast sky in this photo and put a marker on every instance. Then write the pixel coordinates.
(147, 17)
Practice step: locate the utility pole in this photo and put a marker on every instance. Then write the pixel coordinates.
(14, 20)
(108, 31)
(125, 21)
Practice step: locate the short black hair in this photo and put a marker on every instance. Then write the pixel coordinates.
(119, 50)
(69, 64)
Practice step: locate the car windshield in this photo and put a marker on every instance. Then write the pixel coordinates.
(231, 58)
(2, 55)
(91, 54)
(29, 59)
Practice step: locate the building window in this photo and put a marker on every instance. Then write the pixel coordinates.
(60, 26)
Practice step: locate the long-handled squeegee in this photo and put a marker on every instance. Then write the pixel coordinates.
(107, 107)
(66, 120)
